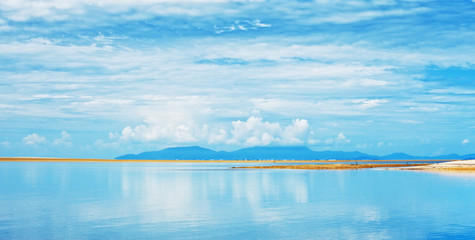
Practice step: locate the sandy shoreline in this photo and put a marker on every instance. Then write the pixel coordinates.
(459, 165)
(413, 165)
(41, 159)
(332, 166)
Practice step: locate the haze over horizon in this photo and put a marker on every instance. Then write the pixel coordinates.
(99, 79)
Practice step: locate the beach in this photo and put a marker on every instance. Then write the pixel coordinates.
(336, 166)
(456, 165)
(45, 159)
(421, 165)
(459, 165)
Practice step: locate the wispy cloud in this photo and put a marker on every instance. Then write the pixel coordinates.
(351, 17)
(185, 71)
(23, 10)
(242, 26)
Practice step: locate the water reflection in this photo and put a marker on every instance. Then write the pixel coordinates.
(211, 201)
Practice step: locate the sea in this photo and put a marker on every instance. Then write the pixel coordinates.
(140, 200)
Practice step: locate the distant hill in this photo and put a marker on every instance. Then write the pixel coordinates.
(469, 156)
(180, 153)
(275, 153)
(399, 156)
(268, 153)
(253, 153)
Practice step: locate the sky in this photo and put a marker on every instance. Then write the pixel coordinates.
(98, 79)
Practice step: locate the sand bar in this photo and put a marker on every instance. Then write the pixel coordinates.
(459, 165)
(334, 166)
(467, 166)
(34, 159)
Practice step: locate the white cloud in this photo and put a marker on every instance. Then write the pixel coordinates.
(64, 140)
(174, 119)
(23, 10)
(315, 12)
(465, 141)
(108, 78)
(33, 139)
(424, 109)
(49, 96)
(219, 137)
(354, 16)
(369, 82)
(297, 132)
(369, 103)
(341, 138)
(252, 132)
(316, 106)
(178, 133)
(101, 144)
(409, 121)
(364, 145)
(453, 90)
(255, 131)
(242, 26)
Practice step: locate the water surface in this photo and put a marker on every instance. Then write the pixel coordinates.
(83, 200)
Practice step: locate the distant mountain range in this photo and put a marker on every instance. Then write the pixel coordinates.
(275, 153)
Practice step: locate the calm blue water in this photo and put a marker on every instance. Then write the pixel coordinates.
(210, 201)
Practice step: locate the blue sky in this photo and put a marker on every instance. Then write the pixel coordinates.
(103, 78)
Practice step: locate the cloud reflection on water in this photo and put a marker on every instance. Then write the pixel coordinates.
(146, 200)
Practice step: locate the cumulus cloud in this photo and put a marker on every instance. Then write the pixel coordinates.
(33, 139)
(465, 141)
(179, 133)
(64, 140)
(218, 137)
(255, 131)
(297, 132)
(252, 132)
(340, 139)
